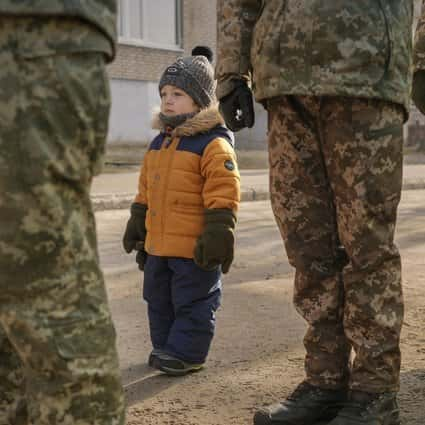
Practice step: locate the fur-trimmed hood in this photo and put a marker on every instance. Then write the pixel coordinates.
(202, 122)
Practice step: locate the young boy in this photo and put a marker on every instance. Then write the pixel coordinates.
(183, 217)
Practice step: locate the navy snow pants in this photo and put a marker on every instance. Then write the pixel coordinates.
(182, 300)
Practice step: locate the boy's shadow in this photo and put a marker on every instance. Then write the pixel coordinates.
(146, 383)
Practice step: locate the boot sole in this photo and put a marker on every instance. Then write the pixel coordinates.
(394, 419)
(179, 372)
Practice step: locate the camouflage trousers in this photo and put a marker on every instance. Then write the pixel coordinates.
(58, 359)
(335, 182)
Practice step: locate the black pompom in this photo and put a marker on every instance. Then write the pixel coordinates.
(203, 51)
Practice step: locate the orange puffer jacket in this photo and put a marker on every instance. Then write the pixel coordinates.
(183, 173)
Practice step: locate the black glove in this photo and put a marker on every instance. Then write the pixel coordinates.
(215, 245)
(141, 256)
(418, 90)
(135, 232)
(237, 108)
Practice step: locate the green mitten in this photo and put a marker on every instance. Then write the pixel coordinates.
(136, 228)
(215, 245)
(418, 90)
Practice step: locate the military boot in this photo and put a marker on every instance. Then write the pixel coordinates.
(307, 405)
(369, 409)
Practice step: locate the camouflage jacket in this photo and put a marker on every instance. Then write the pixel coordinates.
(419, 49)
(101, 13)
(358, 48)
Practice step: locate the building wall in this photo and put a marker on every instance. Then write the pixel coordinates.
(131, 111)
(415, 127)
(140, 63)
(200, 24)
(136, 70)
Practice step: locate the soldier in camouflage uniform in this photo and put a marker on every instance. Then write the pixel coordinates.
(58, 360)
(334, 78)
(418, 88)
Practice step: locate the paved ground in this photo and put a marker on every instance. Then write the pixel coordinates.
(257, 354)
(117, 190)
(126, 182)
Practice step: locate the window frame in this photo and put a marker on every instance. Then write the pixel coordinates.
(124, 27)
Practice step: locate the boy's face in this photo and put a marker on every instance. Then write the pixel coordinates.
(175, 101)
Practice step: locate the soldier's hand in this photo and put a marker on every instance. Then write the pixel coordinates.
(418, 90)
(237, 108)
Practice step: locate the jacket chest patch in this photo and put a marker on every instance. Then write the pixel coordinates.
(229, 165)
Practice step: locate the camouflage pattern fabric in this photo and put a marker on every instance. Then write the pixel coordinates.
(419, 49)
(56, 329)
(100, 13)
(349, 48)
(12, 385)
(55, 36)
(335, 179)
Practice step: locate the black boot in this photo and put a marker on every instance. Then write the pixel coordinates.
(175, 367)
(369, 409)
(153, 357)
(307, 405)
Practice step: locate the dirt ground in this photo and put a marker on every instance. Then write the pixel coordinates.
(257, 353)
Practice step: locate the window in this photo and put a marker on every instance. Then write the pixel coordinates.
(153, 23)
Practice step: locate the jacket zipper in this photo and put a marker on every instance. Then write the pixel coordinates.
(168, 143)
